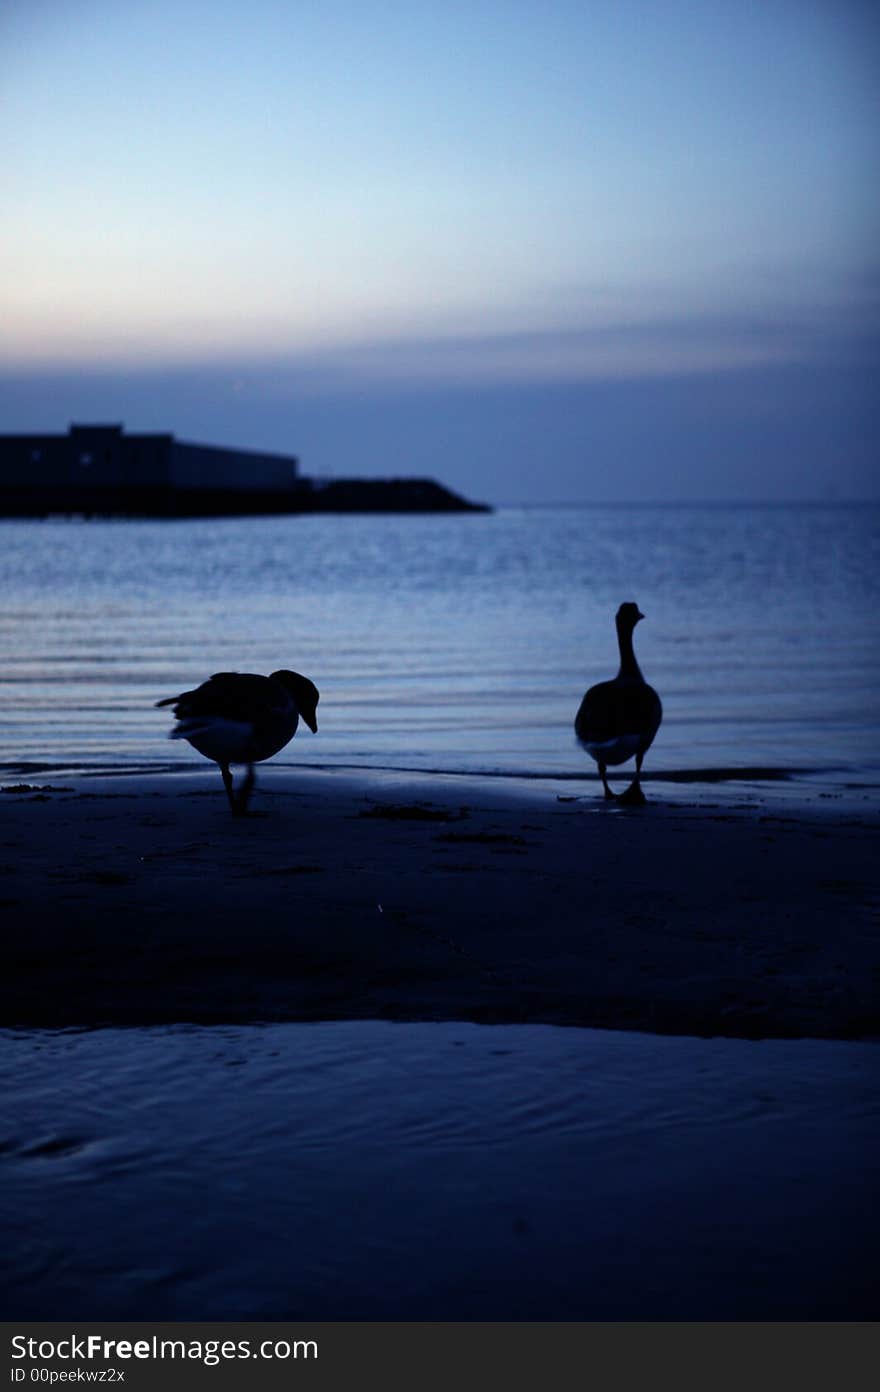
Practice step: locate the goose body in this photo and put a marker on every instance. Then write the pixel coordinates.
(243, 718)
(618, 719)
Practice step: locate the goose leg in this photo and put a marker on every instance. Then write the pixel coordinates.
(602, 775)
(244, 792)
(634, 796)
(227, 784)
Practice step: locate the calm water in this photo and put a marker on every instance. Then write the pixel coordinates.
(460, 644)
(363, 1170)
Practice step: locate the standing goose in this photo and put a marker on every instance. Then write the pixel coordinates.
(242, 718)
(618, 719)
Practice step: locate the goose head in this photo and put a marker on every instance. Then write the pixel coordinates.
(628, 615)
(304, 693)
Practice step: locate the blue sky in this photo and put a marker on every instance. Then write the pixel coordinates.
(614, 248)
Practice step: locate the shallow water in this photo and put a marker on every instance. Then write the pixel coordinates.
(377, 1171)
(454, 643)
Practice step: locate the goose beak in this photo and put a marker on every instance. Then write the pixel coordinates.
(311, 720)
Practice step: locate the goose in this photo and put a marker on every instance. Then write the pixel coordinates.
(242, 718)
(619, 718)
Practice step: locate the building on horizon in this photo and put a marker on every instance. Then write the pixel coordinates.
(100, 471)
(104, 456)
(104, 468)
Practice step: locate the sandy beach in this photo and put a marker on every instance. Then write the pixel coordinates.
(139, 900)
(315, 1068)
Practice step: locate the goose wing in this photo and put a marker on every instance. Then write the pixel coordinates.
(231, 696)
(613, 709)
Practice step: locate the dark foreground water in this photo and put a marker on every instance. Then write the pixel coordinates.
(432, 1172)
(455, 644)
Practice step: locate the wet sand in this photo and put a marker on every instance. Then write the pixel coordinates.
(140, 900)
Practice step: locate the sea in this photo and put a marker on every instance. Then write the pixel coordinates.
(458, 644)
(364, 1170)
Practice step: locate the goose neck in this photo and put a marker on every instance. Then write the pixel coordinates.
(628, 665)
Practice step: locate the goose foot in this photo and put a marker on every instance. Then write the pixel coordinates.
(633, 797)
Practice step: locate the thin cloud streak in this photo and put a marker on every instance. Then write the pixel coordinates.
(671, 346)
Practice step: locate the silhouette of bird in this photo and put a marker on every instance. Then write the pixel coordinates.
(242, 718)
(619, 718)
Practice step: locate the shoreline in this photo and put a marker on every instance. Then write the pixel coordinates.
(803, 789)
(137, 899)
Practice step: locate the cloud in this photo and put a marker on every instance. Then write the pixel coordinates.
(656, 349)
